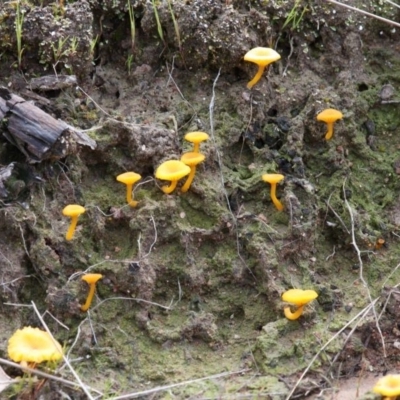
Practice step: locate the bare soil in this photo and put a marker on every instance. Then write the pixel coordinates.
(192, 282)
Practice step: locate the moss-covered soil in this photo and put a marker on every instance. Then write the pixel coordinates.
(192, 282)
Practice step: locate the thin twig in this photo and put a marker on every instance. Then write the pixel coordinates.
(360, 315)
(76, 338)
(174, 385)
(76, 376)
(132, 299)
(15, 280)
(247, 129)
(154, 241)
(212, 134)
(361, 266)
(392, 3)
(289, 56)
(39, 373)
(55, 319)
(388, 21)
(337, 215)
(23, 241)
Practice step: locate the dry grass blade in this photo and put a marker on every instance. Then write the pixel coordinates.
(361, 266)
(39, 373)
(392, 3)
(174, 385)
(5, 380)
(388, 21)
(76, 376)
(362, 314)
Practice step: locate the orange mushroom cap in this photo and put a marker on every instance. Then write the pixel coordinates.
(73, 210)
(196, 138)
(262, 56)
(91, 278)
(33, 345)
(172, 170)
(299, 297)
(329, 115)
(272, 178)
(388, 385)
(191, 159)
(129, 178)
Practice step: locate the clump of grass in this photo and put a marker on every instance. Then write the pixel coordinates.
(295, 15)
(159, 26)
(19, 21)
(132, 27)
(176, 28)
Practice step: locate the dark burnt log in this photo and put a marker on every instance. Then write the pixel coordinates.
(34, 132)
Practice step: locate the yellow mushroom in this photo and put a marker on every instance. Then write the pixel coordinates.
(388, 386)
(262, 56)
(73, 211)
(196, 138)
(298, 297)
(273, 179)
(330, 116)
(191, 159)
(32, 345)
(171, 170)
(91, 280)
(129, 179)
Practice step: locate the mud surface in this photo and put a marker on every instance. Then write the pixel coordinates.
(192, 282)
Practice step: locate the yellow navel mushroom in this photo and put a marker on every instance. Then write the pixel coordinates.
(298, 297)
(129, 179)
(91, 280)
(73, 211)
(273, 179)
(196, 138)
(32, 345)
(330, 116)
(262, 56)
(171, 170)
(191, 159)
(388, 386)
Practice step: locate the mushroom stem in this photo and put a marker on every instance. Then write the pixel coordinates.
(329, 134)
(169, 189)
(189, 180)
(274, 199)
(129, 199)
(72, 227)
(92, 289)
(257, 77)
(293, 315)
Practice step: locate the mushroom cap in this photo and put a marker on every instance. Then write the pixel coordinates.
(172, 170)
(33, 345)
(329, 115)
(196, 137)
(262, 56)
(72, 210)
(129, 178)
(192, 158)
(388, 385)
(299, 296)
(272, 178)
(91, 278)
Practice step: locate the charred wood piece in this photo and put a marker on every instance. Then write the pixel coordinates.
(37, 134)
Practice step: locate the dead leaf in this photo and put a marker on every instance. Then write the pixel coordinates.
(5, 380)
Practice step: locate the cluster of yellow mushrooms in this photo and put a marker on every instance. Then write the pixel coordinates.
(174, 170)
